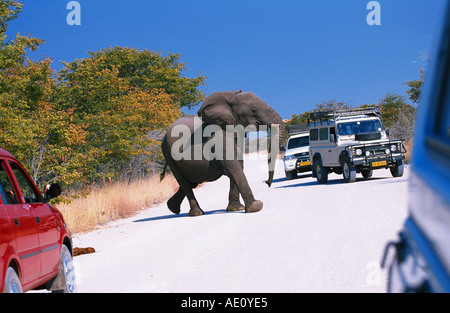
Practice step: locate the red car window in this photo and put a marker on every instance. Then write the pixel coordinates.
(8, 193)
(3, 194)
(28, 191)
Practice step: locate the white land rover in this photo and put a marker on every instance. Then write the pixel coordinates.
(296, 156)
(352, 141)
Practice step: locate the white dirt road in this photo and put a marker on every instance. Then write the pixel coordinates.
(307, 238)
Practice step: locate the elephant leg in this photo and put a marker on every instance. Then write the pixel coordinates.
(195, 208)
(186, 189)
(175, 201)
(235, 171)
(234, 204)
(233, 198)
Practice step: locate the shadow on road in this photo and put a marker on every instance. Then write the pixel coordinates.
(277, 180)
(332, 182)
(181, 215)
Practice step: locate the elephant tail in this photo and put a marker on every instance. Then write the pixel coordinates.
(163, 174)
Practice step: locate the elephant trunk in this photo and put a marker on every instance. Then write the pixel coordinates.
(276, 141)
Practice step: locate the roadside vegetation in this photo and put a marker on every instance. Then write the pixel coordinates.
(109, 202)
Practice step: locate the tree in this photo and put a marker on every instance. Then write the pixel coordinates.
(398, 116)
(31, 126)
(299, 118)
(13, 52)
(331, 105)
(117, 112)
(146, 70)
(8, 12)
(415, 87)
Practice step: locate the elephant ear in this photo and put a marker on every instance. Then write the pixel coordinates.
(218, 109)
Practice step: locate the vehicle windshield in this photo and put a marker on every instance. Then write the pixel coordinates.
(298, 142)
(359, 127)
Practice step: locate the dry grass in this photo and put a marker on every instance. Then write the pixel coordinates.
(408, 145)
(115, 201)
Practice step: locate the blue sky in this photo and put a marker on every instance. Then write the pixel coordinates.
(292, 53)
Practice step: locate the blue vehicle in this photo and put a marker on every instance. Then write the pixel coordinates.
(422, 254)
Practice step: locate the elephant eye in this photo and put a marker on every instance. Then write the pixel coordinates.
(254, 111)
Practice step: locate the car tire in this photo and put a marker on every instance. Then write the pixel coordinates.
(320, 172)
(398, 169)
(290, 174)
(367, 173)
(65, 280)
(12, 282)
(348, 171)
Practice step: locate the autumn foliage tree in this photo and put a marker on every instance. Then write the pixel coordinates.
(398, 116)
(31, 125)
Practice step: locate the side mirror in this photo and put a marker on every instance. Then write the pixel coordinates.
(282, 148)
(52, 191)
(387, 132)
(331, 137)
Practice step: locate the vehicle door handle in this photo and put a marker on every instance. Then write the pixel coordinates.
(38, 219)
(16, 222)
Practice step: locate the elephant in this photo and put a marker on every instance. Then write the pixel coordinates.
(221, 110)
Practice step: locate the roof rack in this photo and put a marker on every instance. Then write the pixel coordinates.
(332, 115)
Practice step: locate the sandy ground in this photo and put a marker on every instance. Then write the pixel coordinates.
(307, 238)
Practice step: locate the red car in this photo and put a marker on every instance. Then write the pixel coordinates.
(35, 247)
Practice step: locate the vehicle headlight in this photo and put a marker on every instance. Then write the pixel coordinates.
(289, 157)
(367, 153)
(394, 147)
(387, 151)
(358, 152)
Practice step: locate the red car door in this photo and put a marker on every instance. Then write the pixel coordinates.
(24, 227)
(46, 221)
(6, 237)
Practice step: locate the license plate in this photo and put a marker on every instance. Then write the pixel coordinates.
(379, 163)
(304, 163)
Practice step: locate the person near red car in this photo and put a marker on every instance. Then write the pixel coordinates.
(35, 247)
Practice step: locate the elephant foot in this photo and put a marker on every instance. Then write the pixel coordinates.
(173, 206)
(196, 212)
(235, 207)
(255, 206)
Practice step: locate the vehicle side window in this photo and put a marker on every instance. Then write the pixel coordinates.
(314, 134)
(333, 132)
(323, 134)
(28, 191)
(7, 191)
(2, 194)
(443, 116)
(438, 134)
